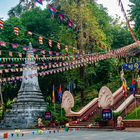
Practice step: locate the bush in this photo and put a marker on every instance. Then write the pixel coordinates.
(116, 114)
(98, 119)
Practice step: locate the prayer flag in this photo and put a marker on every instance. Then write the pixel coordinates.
(52, 9)
(60, 94)
(40, 1)
(1, 24)
(53, 95)
(16, 31)
(132, 87)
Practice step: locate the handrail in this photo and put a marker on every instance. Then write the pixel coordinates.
(125, 104)
(91, 104)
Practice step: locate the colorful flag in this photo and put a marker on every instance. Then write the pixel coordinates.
(10, 54)
(53, 95)
(25, 48)
(66, 48)
(57, 54)
(14, 46)
(43, 51)
(60, 94)
(20, 54)
(50, 53)
(132, 87)
(40, 1)
(52, 9)
(50, 43)
(40, 39)
(29, 33)
(70, 24)
(1, 24)
(34, 50)
(3, 44)
(124, 88)
(16, 31)
(61, 17)
(58, 45)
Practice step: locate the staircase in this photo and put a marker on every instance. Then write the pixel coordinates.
(86, 119)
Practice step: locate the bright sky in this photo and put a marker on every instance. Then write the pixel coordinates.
(113, 8)
(112, 5)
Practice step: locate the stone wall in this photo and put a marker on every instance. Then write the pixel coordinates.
(132, 123)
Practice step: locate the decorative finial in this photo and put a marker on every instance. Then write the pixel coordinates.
(30, 46)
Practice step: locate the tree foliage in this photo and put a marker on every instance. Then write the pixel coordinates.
(87, 17)
(135, 15)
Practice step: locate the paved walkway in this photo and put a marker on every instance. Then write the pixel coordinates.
(77, 135)
(132, 129)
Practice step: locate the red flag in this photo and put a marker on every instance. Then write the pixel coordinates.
(133, 81)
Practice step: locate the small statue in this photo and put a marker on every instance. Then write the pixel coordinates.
(40, 124)
(122, 77)
(120, 122)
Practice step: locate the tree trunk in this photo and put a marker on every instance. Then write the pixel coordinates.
(2, 102)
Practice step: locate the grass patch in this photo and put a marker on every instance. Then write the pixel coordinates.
(135, 114)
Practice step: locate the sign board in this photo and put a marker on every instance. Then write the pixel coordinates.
(107, 114)
(48, 115)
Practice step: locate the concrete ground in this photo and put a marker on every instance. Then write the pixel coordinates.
(77, 135)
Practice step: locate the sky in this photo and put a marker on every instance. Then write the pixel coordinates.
(112, 5)
(113, 8)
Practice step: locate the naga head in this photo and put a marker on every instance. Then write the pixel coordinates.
(105, 99)
(67, 102)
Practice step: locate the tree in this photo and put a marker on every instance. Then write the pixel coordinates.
(135, 15)
(84, 20)
(23, 6)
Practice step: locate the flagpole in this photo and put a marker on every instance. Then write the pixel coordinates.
(54, 107)
(53, 98)
(1, 96)
(61, 111)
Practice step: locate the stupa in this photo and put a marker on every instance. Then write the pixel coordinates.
(30, 103)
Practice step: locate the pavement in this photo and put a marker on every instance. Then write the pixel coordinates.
(132, 129)
(128, 134)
